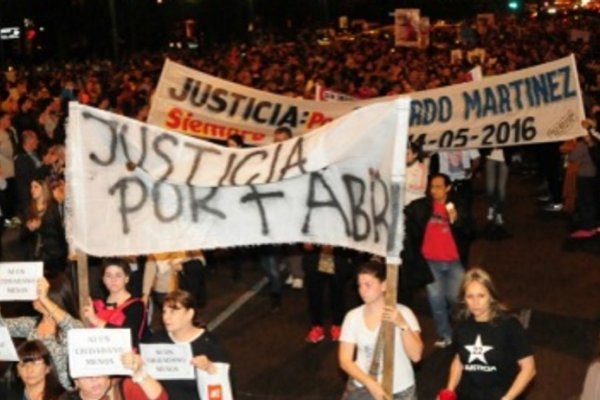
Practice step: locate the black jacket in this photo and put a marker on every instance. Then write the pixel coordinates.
(415, 269)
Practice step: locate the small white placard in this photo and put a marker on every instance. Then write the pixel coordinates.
(215, 386)
(7, 347)
(168, 361)
(18, 280)
(96, 352)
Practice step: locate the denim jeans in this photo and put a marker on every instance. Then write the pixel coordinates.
(496, 175)
(443, 293)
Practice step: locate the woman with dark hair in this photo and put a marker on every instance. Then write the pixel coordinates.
(56, 307)
(44, 229)
(493, 360)
(183, 325)
(37, 376)
(121, 309)
(360, 350)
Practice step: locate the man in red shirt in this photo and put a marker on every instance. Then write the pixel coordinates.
(435, 251)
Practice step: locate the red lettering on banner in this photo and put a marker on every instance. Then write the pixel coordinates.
(317, 119)
(186, 122)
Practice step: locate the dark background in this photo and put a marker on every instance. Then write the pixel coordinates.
(83, 28)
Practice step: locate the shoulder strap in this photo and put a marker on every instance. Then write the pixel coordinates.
(132, 300)
(377, 354)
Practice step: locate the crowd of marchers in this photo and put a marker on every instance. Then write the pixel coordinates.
(493, 359)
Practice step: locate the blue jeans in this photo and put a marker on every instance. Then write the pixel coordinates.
(443, 293)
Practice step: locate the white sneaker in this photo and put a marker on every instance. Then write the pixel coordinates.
(442, 343)
(289, 280)
(490, 214)
(498, 220)
(297, 283)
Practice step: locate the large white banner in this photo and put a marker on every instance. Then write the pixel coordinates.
(533, 105)
(135, 188)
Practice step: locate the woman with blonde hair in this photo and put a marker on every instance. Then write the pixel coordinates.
(493, 360)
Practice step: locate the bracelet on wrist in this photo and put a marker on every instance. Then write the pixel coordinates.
(139, 376)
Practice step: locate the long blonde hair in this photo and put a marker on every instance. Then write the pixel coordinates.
(480, 276)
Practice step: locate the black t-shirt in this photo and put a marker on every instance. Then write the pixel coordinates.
(489, 353)
(206, 344)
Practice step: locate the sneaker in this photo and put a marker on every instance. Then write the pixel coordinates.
(583, 233)
(316, 334)
(544, 198)
(335, 331)
(297, 283)
(498, 220)
(442, 343)
(553, 207)
(289, 280)
(490, 214)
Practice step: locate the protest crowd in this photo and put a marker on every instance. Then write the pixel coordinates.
(159, 297)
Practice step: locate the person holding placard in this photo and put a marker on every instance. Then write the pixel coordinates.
(120, 310)
(183, 325)
(140, 386)
(34, 376)
(44, 229)
(56, 306)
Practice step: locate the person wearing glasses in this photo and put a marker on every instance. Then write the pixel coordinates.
(56, 307)
(34, 376)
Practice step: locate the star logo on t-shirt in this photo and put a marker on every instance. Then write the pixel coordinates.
(478, 350)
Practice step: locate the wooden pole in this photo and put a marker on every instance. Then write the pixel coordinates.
(395, 239)
(389, 330)
(83, 286)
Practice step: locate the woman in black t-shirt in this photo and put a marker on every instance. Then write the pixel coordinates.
(183, 325)
(493, 360)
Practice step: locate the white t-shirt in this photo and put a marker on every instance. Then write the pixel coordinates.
(355, 331)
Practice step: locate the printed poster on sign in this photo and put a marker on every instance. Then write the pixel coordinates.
(168, 361)
(7, 347)
(18, 280)
(407, 27)
(97, 352)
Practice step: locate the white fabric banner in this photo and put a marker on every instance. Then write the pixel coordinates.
(533, 105)
(138, 189)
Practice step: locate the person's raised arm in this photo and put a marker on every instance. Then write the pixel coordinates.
(57, 313)
(150, 386)
(410, 339)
